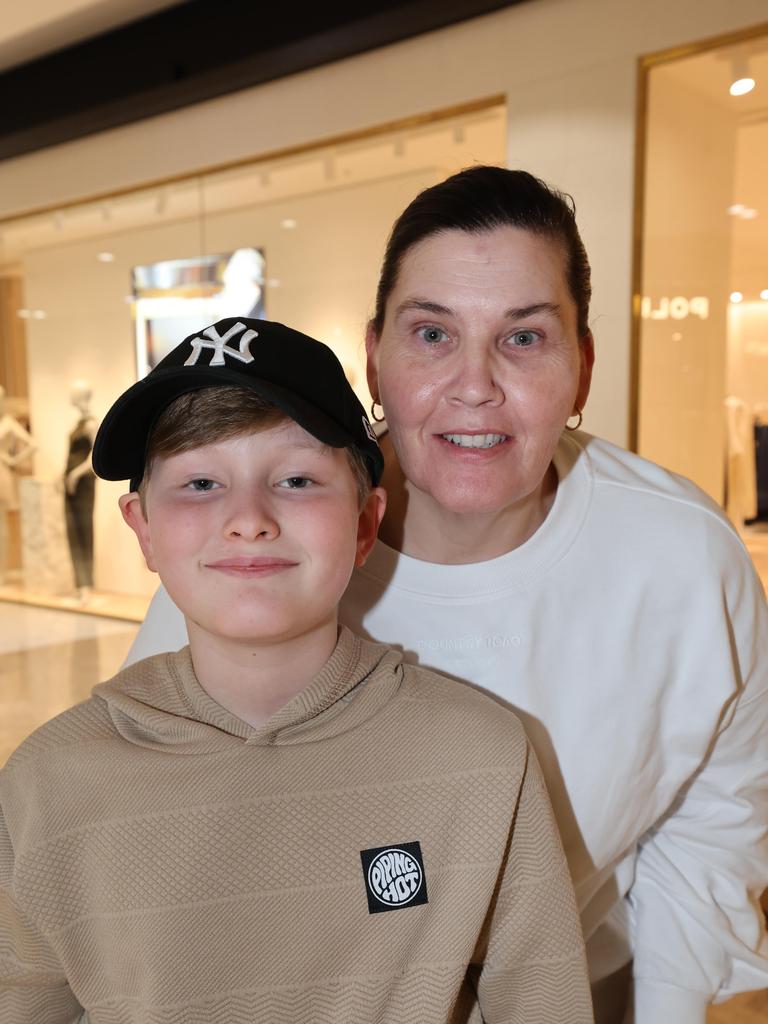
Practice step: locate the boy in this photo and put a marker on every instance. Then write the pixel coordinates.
(281, 822)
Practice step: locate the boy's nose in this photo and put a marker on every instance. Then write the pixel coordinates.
(252, 520)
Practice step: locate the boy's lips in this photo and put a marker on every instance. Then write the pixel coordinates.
(251, 566)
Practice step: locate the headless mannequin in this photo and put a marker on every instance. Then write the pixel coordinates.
(16, 445)
(80, 490)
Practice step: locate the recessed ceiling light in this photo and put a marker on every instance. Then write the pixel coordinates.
(748, 213)
(764, 294)
(736, 209)
(39, 314)
(23, 314)
(288, 223)
(741, 80)
(105, 257)
(742, 86)
(736, 296)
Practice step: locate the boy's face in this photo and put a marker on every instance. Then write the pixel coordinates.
(255, 538)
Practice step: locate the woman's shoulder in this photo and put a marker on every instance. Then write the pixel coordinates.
(613, 467)
(648, 508)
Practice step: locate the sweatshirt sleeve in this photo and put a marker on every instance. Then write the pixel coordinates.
(698, 929)
(533, 964)
(33, 988)
(163, 629)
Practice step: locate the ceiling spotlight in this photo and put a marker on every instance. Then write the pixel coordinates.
(105, 257)
(748, 213)
(23, 314)
(736, 209)
(741, 81)
(288, 223)
(736, 296)
(764, 294)
(39, 314)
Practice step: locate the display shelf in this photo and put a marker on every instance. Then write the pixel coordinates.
(127, 607)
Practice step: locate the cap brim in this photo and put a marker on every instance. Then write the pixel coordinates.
(120, 447)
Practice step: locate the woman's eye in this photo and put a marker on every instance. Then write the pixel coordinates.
(295, 483)
(432, 334)
(522, 339)
(201, 484)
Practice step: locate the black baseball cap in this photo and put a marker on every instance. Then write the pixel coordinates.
(299, 375)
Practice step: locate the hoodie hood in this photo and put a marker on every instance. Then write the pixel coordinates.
(159, 702)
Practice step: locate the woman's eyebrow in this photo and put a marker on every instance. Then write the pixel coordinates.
(425, 306)
(521, 312)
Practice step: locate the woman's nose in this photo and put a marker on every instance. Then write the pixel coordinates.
(474, 382)
(251, 518)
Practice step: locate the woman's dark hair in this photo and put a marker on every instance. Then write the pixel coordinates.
(480, 199)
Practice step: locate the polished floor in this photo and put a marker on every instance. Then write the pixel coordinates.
(49, 660)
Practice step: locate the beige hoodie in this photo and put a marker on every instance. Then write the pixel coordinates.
(382, 850)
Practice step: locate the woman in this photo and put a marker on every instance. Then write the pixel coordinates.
(607, 600)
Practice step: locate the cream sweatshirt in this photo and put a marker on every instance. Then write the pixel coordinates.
(381, 850)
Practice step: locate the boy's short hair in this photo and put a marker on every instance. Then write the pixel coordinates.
(214, 414)
(300, 376)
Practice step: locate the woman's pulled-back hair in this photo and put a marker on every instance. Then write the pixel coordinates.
(480, 199)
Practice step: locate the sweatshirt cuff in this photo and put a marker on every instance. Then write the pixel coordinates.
(656, 1001)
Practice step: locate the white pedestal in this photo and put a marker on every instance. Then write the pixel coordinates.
(45, 559)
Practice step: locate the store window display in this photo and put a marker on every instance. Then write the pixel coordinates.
(80, 489)
(16, 446)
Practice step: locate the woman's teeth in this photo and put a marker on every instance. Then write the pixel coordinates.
(475, 440)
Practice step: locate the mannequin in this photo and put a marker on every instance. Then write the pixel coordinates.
(16, 445)
(80, 490)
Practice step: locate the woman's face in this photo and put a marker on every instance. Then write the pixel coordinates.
(479, 366)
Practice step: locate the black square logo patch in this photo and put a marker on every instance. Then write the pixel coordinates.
(394, 877)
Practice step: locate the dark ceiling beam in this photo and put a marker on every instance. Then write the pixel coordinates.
(196, 51)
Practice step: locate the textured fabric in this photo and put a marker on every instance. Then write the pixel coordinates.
(162, 862)
(630, 634)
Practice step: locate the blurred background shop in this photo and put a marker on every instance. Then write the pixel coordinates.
(161, 172)
(165, 163)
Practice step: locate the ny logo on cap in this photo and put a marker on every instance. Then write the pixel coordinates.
(220, 346)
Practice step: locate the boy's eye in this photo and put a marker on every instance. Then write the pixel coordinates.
(295, 483)
(201, 484)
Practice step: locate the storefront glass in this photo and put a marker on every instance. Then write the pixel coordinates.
(703, 367)
(92, 295)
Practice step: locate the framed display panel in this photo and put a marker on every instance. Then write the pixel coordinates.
(175, 298)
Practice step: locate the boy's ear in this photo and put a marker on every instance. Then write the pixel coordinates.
(371, 515)
(130, 506)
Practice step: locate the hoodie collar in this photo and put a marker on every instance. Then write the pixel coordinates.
(159, 702)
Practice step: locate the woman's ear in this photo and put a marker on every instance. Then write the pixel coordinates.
(587, 356)
(372, 364)
(371, 515)
(133, 514)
